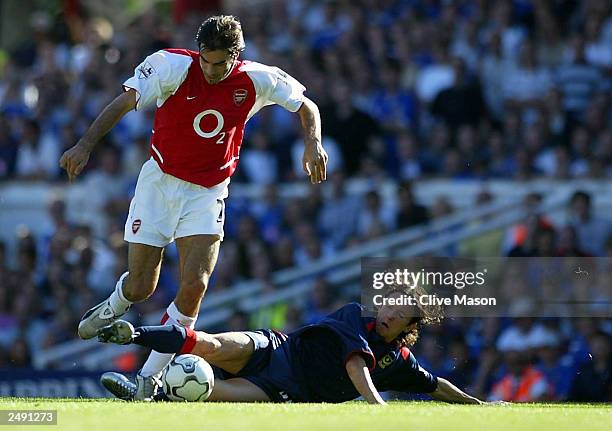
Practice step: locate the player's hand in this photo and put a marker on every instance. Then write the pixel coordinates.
(314, 163)
(74, 160)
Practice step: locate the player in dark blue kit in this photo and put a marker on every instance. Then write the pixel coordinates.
(338, 359)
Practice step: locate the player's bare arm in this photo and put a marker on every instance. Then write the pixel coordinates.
(360, 376)
(448, 392)
(314, 161)
(75, 159)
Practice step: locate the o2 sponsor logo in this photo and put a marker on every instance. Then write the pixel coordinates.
(215, 131)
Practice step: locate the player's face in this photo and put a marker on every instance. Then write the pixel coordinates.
(216, 65)
(392, 320)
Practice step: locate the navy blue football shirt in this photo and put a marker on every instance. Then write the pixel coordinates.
(321, 351)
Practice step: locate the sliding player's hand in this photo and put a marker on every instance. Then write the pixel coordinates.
(314, 163)
(74, 160)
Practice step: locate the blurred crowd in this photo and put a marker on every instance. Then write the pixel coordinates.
(407, 89)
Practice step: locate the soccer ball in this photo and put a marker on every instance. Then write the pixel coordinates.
(188, 378)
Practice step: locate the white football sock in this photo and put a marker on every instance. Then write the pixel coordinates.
(156, 362)
(117, 300)
(174, 313)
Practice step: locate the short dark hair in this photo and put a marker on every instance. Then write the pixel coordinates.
(221, 32)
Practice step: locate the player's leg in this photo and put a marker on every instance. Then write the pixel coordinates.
(230, 351)
(144, 263)
(198, 256)
(144, 266)
(148, 229)
(231, 390)
(198, 232)
(237, 390)
(197, 259)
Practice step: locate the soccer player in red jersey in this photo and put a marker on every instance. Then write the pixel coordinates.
(203, 101)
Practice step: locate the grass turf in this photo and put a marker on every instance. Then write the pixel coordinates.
(112, 415)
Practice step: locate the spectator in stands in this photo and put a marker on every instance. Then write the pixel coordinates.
(19, 355)
(492, 68)
(522, 382)
(8, 149)
(592, 231)
(442, 207)
(348, 125)
(527, 83)
(535, 238)
(432, 156)
(259, 160)
(578, 80)
(410, 212)
(597, 43)
(250, 245)
(36, 156)
(593, 382)
(320, 303)
(283, 253)
(431, 354)
(408, 156)
(9, 324)
(338, 217)
(269, 214)
(459, 365)
(559, 370)
(239, 321)
(556, 118)
(394, 107)
(373, 214)
(462, 103)
(568, 243)
(581, 147)
(488, 243)
(436, 76)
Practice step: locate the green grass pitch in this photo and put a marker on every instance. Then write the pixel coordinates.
(112, 415)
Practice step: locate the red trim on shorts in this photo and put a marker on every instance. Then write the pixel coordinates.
(164, 318)
(190, 341)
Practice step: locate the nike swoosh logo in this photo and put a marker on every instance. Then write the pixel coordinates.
(191, 98)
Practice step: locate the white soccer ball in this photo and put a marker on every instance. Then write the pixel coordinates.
(188, 378)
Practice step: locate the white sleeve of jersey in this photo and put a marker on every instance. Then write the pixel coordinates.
(274, 86)
(158, 77)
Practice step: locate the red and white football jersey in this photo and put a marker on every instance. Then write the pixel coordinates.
(198, 127)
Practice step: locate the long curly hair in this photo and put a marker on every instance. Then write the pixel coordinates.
(425, 314)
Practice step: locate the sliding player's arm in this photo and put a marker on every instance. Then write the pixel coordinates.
(450, 393)
(360, 376)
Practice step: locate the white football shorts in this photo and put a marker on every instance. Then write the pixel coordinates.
(165, 208)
